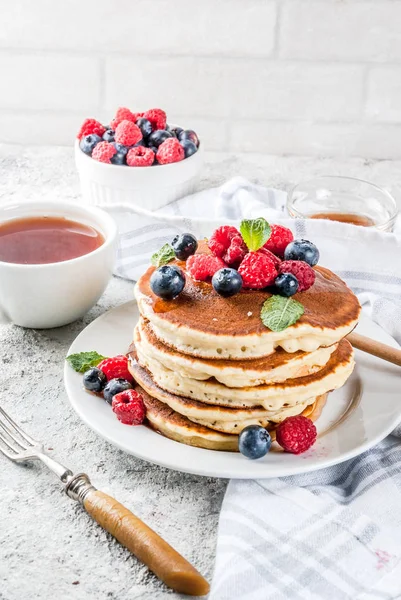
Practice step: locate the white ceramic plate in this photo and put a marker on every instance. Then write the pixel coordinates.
(354, 419)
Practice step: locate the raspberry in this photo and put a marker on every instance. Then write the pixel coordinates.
(140, 157)
(170, 151)
(103, 152)
(279, 239)
(127, 133)
(157, 117)
(302, 271)
(124, 114)
(296, 434)
(272, 256)
(227, 243)
(257, 271)
(203, 266)
(129, 407)
(90, 126)
(116, 368)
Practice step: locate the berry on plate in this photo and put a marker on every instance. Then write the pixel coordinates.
(227, 282)
(301, 270)
(302, 250)
(88, 143)
(129, 408)
(115, 386)
(90, 126)
(254, 441)
(124, 114)
(272, 256)
(189, 148)
(286, 284)
(202, 267)
(226, 242)
(157, 117)
(104, 152)
(279, 239)
(116, 367)
(170, 151)
(257, 271)
(94, 380)
(127, 133)
(167, 282)
(184, 245)
(140, 157)
(296, 434)
(190, 135)
(158, 137)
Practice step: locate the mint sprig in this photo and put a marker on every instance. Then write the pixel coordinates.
(255, 233)
(163, 256)
(278, 312)
(82, 361)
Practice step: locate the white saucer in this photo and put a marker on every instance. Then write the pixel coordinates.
(354, 419)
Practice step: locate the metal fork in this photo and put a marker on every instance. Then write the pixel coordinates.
(129, 530)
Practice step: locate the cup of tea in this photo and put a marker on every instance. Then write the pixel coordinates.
(344, 199)
(56, 260)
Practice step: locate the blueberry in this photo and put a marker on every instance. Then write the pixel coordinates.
(154, 149)
(119, 159)
(184, 245)
(140, 143)
(189, 147)
(158, 137)
(167, 282)
(176, 131)
(115, 386)
(227, 282)
(190, 135)
(94, 380)
(108, 135)
(302, 250)
(286, 284)
(145, 126)
(120, 148)
(254, 441)
(89, 142)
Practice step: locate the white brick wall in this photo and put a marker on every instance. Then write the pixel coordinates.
(319, 77)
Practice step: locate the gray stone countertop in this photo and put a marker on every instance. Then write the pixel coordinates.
(49, 547)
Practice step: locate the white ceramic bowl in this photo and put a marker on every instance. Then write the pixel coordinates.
(147, 187)
(54, 294)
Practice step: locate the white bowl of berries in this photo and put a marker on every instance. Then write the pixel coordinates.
(137, 160)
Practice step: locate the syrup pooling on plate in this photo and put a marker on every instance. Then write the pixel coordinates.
(44, 240)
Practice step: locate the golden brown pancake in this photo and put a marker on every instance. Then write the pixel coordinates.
(176, 427)
(272, 397)
(202, 323)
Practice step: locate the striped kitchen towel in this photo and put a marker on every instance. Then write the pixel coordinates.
(334, 534)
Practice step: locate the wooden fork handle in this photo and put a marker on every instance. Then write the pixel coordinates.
(378, 349)
(176, 572)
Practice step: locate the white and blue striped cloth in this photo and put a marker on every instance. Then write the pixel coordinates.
(334, 534)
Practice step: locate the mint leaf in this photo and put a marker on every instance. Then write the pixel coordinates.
(82, 361)
(255, 233)
(278, 312)
(163, 256)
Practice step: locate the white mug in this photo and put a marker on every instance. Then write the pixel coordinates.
(42, 296)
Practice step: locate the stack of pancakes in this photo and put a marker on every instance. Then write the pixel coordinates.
(207, 366)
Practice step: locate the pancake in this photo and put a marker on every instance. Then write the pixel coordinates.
(276, 367)
(220, 418)
(176, 427)
(201, 323)
(272, 397)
